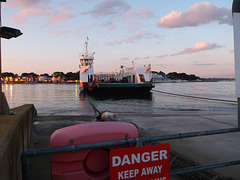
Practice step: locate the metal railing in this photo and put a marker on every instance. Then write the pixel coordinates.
(128, 142)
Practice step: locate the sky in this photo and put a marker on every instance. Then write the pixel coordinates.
(195, 37)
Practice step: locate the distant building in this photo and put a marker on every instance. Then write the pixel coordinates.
(156, 77)
(44, 78)
(57, 79)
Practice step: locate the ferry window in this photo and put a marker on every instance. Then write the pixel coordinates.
(81, 62)
(142, 77)
(90, 62)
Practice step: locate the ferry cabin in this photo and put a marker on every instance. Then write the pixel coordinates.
(86, 72)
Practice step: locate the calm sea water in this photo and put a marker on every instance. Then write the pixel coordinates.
(64, 99)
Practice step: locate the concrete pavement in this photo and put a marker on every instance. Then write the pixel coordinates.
(204, 150)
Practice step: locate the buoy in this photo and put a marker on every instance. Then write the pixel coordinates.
(90, 164)
(106, 116)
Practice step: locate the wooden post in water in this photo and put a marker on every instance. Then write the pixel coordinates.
(236, 31)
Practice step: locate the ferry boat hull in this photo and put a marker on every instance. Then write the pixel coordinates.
(119, 89)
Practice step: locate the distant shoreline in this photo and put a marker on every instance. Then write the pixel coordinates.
(172, 81)
(41, 83)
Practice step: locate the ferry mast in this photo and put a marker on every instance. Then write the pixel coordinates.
(86, 73)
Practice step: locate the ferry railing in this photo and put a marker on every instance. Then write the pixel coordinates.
(135, 141)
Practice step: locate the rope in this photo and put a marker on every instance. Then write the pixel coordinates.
(91, 103)
(195, 97)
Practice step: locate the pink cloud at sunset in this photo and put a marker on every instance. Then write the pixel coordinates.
(128, 40)
(202, 46)
(30, 9)
(61, 14)
(110, 25)
(27, 3)
(109, 7)
(199, 13)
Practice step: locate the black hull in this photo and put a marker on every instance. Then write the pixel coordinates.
(120, 90)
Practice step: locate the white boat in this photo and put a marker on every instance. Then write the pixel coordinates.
(127, 80)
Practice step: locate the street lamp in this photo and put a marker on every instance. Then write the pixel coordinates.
(7, 33)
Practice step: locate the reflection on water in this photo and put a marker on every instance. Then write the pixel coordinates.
(76, 92)
(64, 99)
(9, 88)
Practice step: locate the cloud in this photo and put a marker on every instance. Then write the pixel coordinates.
(110, 8)
(110, 25)
(141, 58)
(202, 46)
(135, 59)
(133, 17)
(207, 64)
(131, 39)
(120, 12)
(161, 56)
(144, 13)
(29, 8)
(27, 3)
(199, 13)
(61, 14)
(125, 59)
(20, 17)
(39, 8)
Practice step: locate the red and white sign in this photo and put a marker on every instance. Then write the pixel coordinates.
(146, 162)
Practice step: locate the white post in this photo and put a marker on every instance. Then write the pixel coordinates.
(236, 31)
(1, 95)
(4, 108)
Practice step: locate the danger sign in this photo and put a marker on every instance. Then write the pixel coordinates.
(147, 162)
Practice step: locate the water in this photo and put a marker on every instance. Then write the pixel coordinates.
(64, 99)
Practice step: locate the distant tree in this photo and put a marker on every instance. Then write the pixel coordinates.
(8, 74)
(33, 75)
(77, 74)
(182, 76)
(193, 77)
(24, 74)
(71, 76)
(172, 75)
(45, 74)
(57, 74)
(161, 73)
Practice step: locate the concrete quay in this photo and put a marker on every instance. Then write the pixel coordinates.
(204, 150)
(15, 137)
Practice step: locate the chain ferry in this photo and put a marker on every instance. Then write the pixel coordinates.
(129, 80)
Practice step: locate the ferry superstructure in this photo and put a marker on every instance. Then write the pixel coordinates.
(86, 72)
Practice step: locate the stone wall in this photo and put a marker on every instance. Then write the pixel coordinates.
(15, 136)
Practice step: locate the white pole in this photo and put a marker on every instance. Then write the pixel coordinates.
(236, 31)
(1, 96)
